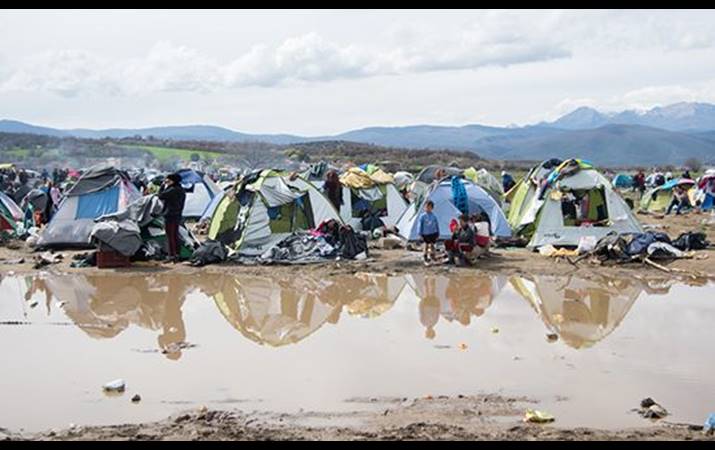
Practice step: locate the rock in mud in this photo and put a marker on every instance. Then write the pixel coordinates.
(137, 398)
(647, 402)
(655, 412)
(117, 385)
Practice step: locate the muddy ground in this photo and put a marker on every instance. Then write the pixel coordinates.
(486, 417)
(16, 257)
(458, 418)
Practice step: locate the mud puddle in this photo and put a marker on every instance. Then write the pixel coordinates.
(587, 350)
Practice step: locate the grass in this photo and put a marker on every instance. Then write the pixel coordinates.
(164, 154)
(14, 153)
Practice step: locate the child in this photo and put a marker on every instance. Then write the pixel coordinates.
(480, 224)
(429, 231)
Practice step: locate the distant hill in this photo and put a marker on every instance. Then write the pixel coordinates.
(13, 126)
(609, 145)
(662, 135)
(682, 116)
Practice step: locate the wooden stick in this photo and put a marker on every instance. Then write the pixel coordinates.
(657, 266)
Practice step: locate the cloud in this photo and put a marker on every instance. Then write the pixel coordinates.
(305, 58)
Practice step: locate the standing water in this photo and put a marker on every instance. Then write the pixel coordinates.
(585, 349)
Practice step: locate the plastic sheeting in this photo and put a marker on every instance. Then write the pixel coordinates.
(96, 204)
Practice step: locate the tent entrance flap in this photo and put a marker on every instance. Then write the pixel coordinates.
(584, 207)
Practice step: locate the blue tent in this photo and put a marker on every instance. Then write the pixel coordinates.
(443, 196)
(200, 192)
(622, 181)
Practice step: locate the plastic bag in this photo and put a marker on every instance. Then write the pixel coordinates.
(586, 244)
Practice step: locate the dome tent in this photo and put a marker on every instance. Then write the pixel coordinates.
(658, 198)
(445, 209)
(573, 201)
(265, 209)
(101, 190)
(200, 191)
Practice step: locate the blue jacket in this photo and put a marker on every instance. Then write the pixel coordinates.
(428, 224)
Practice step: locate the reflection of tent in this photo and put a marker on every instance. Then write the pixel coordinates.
(368, 295)
(582, 312)
(200, 190)
(445, 209)
(100, 191)
(279, 311)
(574, 201)
(273, 311)
(266, 211)
(104, 306)
(658, 198)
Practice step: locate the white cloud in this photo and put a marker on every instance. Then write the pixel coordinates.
(305, 58)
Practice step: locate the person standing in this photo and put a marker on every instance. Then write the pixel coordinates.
(639, 183)
(429, 231)
(174, 197)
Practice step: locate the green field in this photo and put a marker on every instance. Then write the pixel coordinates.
(165, 153)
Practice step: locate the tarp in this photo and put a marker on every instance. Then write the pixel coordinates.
(96, 204)
(97, 178)
(124, 236)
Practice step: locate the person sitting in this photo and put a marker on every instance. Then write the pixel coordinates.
(460, 247)
(680, 200)
(482, 231)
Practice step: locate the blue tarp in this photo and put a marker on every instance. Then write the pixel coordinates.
(96, 204)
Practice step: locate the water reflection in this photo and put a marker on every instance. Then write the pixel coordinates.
(582, 312)
(452, 298)
(104, 306)
(277, 311)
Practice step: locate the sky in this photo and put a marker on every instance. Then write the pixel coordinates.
(325, 72)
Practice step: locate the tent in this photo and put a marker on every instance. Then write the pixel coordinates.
(657, 199)
(522, 193)
(265, 209)
(574, 201)
(200, 191)
(622, 181)
(10, 213)
(370, 194)
(445, 208)
(486, 181)
(705, 194)
(101, 190)
(582, 312)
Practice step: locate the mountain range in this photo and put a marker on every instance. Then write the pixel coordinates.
(661, 135)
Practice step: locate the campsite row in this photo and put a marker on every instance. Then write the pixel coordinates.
(556, 203)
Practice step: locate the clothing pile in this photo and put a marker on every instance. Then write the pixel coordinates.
(328, 241)
(651, 244)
